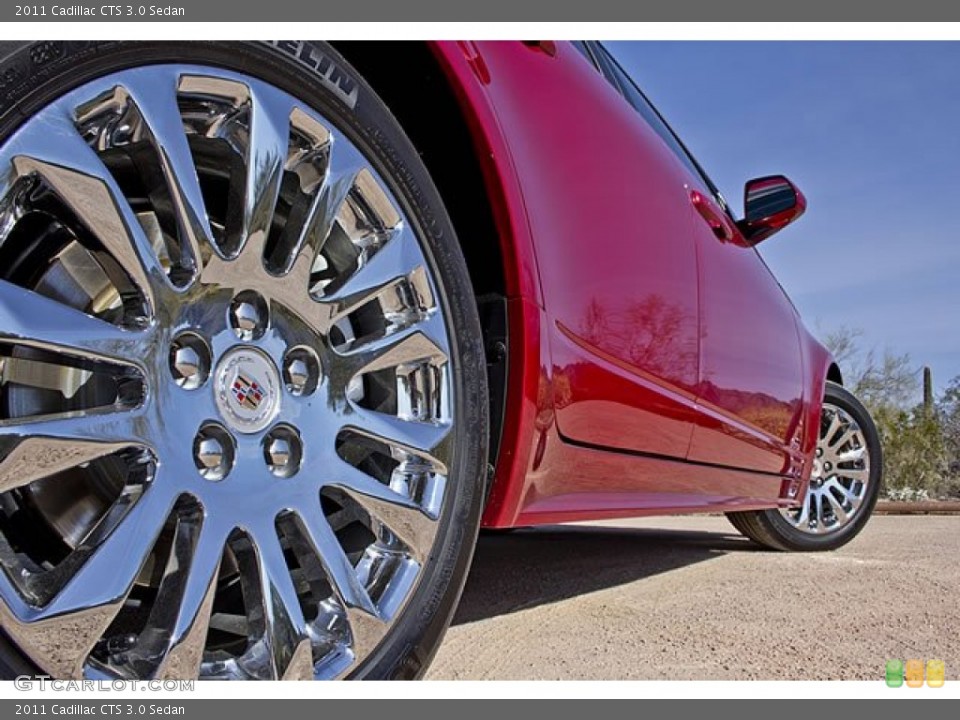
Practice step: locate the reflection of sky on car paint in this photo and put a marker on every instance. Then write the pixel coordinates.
(869, 131)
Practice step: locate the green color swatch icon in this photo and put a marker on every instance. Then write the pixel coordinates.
(894, 673)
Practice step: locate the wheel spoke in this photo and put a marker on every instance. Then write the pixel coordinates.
(113, 565)
(55, 152)
(367, 627)
(344, 165)
(285, 631)
(853, 474)
(854, 455)
(266, 157)
(849, 496)
(400, 514)
(185, 599)
(156, 98)
(821, 515)
(64, 632)
(423, 439)
(391, 264)
(839, 512)
(832, 428)
(44, 447)
(846, 436)
(420, 341)
(343, 578)
(337, 183)
(30, 319)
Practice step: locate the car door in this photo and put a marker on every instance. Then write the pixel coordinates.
(609, 218)
(750, 389)
(750, 398)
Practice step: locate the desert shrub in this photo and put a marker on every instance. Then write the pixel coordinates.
(921, 440)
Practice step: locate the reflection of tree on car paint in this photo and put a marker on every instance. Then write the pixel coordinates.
(650, 333)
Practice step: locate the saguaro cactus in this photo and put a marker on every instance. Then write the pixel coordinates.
(927, 390)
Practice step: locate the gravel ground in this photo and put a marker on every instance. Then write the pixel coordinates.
(688, 598)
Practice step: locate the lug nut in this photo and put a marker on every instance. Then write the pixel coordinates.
(283, 451)
(301, 371)
(278, 452)
(189, 361)
(248, 315)
(298, 374)
(213, 452)
(209, 453)
(186, 362)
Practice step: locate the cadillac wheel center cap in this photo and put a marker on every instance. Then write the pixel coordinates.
(247, 389)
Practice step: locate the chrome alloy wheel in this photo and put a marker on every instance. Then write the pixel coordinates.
(224, 386)
(840, 477)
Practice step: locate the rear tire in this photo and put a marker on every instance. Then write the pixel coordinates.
(847, 488)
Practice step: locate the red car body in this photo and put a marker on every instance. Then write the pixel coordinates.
(656, 365)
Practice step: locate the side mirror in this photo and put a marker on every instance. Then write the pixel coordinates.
(769, 205)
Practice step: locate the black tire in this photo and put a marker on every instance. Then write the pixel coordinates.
(771, 530)
(34, 74)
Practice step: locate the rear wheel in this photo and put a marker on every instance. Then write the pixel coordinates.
(243, 413)
(843, 489)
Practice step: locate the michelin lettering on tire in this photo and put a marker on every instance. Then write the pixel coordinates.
(337, 80)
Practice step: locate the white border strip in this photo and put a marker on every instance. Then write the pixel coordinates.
(470, 689)
(482, 30)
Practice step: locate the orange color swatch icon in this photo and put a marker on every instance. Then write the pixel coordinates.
(914, 673)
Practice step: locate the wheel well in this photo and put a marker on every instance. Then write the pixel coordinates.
(833, 374)
(409, 80)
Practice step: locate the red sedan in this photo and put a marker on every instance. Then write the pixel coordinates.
(283, 325)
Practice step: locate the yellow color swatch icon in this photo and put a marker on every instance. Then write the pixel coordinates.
(935, 673)
(914, 673)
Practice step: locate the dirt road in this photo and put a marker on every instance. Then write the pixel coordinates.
(688, 598)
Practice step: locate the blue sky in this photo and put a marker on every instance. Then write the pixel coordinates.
(871, 133)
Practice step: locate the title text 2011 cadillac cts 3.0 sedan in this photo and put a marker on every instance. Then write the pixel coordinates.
(283, 324)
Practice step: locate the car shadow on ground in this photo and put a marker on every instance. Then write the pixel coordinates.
(537, 566)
